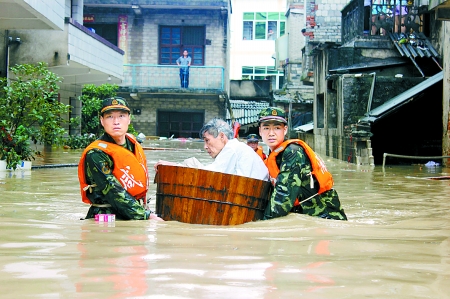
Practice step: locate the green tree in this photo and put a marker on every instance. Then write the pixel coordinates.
(29, 110)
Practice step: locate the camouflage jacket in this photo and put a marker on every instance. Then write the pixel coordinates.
(108, 189)
(293, 182)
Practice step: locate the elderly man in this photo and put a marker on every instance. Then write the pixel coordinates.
(230, 155)
(113, 169)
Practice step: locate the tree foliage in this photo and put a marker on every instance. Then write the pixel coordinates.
(29, 110)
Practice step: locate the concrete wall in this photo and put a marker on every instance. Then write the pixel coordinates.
(446, 92)
(355, 93)
(249, 89)
(33, 42)
(295, 23)
(86, 50)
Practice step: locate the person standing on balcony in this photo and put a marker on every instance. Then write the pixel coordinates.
(112, 170)
(184, 62)
(301, 182)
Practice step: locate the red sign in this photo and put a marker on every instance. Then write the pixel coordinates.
(122, 32)
(88, 18)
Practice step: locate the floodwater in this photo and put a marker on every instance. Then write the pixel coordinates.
(395, 244)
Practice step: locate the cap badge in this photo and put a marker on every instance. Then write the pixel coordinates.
(115, 102)
(274, 112)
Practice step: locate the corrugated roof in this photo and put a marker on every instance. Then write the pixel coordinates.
(368, 64)
(408, 50)
(245, 112)
(413, 51)
(401, 99)
(305, 128)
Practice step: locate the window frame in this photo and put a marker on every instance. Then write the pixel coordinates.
(171, 48)
(256, 25)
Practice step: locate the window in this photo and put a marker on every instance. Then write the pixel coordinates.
(173, 40)
(320, 111)
(107, 31)
(259, 72)
(263, 73)
(263, 25)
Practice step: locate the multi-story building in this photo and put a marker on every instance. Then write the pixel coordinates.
(377, 69)
(254, 26)
(52, 31)
(134, 44)
(153, 35)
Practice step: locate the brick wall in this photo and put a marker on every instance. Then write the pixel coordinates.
(323, 20)
(143, 34)
(146, 122)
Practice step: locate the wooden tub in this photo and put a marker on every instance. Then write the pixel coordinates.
(199, 196)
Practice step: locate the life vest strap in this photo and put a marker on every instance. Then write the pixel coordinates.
(89, 187)
(297, 203)
(106, 205)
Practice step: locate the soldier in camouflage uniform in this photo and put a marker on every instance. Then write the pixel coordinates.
(105, 187)
(295, 188)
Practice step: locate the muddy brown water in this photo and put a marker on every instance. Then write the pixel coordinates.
(395, 244)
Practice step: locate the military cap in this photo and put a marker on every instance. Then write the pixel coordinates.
(115, 103)
(252, 138)
(272, 114)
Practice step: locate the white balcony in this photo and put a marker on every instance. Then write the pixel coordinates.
(76, 54)
(32, 14)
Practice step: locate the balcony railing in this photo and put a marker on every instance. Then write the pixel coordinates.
(159, 3)
(141, 77)
(379, 19)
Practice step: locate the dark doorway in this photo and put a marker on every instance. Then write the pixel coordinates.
(415, 129)
(180, 124)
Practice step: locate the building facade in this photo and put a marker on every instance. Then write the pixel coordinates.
(373, 83)
(153, 35)
(255, 25)
(52, 32)
(134, 44)
(366, 80)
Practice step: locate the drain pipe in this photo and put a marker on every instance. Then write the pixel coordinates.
(9, 41)
(7, 56)
(369, 104)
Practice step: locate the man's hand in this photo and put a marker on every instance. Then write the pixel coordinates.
(153, 216)
(162, 162)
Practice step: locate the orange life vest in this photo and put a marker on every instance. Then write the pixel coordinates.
(236, 127)
(319, 170)
(130, 169)
(261, 153)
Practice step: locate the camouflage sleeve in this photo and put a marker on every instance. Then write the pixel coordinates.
(294, 173)
(99, 171)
